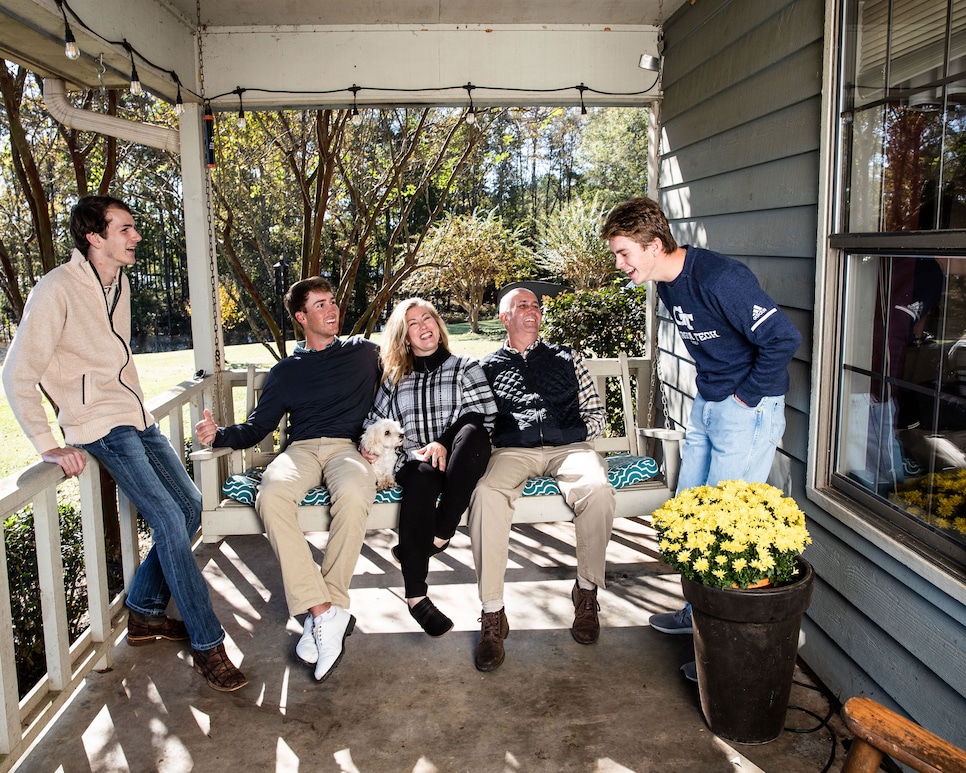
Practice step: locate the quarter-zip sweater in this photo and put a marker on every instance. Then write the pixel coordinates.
(73, 342)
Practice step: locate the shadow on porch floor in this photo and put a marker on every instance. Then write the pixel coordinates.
(401, 701)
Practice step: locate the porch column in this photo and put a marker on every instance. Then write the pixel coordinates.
(206, 330)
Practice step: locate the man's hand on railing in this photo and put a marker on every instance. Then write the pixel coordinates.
(206, 429)
(72, 460)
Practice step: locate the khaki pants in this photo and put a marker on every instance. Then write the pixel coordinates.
(352, 484)
(582, 476)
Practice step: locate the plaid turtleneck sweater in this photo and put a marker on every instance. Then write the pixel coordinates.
(444, 392)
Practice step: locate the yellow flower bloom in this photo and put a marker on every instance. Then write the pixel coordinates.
(715, 533)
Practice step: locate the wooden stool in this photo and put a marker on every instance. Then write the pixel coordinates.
(879, 731)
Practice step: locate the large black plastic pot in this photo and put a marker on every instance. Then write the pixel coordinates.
(745, 643)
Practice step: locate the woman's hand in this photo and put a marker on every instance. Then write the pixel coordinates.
(435, 454)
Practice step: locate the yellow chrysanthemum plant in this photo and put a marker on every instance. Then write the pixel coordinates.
(732, 535)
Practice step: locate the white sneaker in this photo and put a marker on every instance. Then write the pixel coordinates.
(306, 650)
(330, 641)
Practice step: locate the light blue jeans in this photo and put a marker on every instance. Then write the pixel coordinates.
(726, 440)
(149, 472)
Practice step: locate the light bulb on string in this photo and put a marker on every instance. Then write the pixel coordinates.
(179, 102)
(71, 51)
(354, 115)
(583, 108)
(135, 81)
(471, 112)
(241, 108)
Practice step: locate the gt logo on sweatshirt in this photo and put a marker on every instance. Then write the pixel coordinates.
(681, 319)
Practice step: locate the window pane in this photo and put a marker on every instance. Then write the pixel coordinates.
(903, 387)
(953, 210)
(903, 117)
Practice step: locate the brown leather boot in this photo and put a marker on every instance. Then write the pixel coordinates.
(220, 672)
(489, 652)
(146, 629)
(586, 628)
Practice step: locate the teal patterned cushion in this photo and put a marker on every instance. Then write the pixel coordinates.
(243, 488)
(622, 470)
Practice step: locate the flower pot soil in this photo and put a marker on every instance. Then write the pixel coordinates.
(746, 643)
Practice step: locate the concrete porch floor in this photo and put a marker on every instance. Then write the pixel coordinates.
(402, 701)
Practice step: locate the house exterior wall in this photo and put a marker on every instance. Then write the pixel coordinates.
(741, 160)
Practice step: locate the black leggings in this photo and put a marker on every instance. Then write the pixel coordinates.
(421, 517)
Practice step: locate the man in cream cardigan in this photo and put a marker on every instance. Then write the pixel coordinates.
(73, 343)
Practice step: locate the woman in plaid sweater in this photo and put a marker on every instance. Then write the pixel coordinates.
(445, 406)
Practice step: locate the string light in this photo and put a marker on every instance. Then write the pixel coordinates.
(356, 118)
(583, 108)
(71, 50)
(241, 108)
(135, 81)
(471, 113)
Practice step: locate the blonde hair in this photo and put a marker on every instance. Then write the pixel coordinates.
(394, 353)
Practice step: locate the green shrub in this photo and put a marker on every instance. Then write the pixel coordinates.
(601, 323)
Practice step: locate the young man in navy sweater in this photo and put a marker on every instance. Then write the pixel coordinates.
(741, 343)
(326, 387)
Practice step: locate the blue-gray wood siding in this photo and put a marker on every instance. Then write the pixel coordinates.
(739, 172)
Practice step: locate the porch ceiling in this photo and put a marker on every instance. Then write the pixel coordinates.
(290, 44)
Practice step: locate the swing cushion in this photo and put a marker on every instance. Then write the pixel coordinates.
(623, 470)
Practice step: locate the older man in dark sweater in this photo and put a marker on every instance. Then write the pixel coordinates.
(548, 414)
(326, 387)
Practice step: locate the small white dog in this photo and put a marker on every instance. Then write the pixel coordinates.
(382, 438)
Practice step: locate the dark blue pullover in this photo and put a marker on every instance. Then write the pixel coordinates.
(740, 340)
(326, 393)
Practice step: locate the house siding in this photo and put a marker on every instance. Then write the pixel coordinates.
(741, 122)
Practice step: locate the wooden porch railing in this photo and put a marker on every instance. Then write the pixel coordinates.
(23, 720)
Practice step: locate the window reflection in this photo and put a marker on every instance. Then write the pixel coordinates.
(903, 116)
(903, 386)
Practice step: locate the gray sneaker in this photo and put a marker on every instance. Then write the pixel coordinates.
(672, 622)
(690, 671)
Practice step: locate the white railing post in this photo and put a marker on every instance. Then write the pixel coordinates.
(10, 727)
(130, 555)
(95, 560)
(53, 602)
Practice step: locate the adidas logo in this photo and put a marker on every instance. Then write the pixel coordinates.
(757, 311)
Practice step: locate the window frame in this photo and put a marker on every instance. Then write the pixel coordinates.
(862, 513)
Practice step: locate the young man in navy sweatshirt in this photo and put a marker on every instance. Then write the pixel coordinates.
(741, 343)
(326, 387)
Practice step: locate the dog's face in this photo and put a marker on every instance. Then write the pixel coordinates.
(383, 436)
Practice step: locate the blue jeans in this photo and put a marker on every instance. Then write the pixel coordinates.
(726, 440)
(149, 472)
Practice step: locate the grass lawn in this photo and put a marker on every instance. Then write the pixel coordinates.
(160, 371)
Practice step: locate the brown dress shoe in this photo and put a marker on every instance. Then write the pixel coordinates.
(220, 672)
(489, 652)
(145, 629)
(586, 628)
